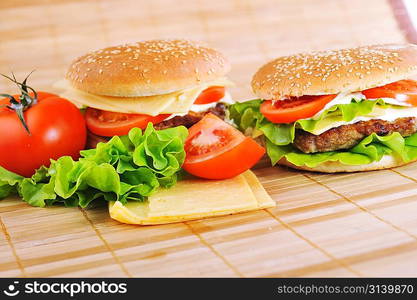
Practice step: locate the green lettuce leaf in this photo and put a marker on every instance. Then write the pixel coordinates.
(160, 152)
(127, 168)
(246, 114)
(8, 182)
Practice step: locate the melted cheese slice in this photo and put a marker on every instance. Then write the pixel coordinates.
(194, 199)
(174, 103)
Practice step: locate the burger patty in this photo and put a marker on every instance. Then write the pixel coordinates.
(192, 117)
(348, 136)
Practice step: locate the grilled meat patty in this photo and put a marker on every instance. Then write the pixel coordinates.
(192, 117)
(348, 136)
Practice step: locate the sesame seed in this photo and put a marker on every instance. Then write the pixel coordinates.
(148, 53)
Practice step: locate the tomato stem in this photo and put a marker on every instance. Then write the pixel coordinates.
(25, 99)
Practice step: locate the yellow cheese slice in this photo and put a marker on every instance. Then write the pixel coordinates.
(194, 199)
(263, 198)
(174, 103)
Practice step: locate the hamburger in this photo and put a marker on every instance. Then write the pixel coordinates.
(165, 82)
(336, 111)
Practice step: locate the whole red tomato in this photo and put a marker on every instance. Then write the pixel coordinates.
(56, 127)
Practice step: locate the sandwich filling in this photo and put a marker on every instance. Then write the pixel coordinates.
(352, 128)
(108, 116)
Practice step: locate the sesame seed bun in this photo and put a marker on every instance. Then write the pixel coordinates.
(335, 71)
(387, 161)
(147, 68)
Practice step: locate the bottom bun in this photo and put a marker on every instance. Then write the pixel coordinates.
(386, 162)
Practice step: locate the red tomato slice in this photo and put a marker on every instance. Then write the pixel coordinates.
(106, 123)
(216, 150)
(210, 95)
(403, 90)
(288, 111)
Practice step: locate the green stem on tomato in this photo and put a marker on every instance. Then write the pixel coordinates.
(25, 100)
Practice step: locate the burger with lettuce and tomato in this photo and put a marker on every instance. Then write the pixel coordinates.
(164, 82)
(336, 111)
(168, 83)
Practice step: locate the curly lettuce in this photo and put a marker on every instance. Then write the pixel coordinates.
(127, 168)
(8, 182)
(279, 137)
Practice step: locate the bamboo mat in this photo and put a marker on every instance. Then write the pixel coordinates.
(324, 225)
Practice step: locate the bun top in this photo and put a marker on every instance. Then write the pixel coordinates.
(147, 68)
(335, 71)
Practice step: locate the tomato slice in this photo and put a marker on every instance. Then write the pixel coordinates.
(106, 123)
(403, 90)
(288, 111)
(210, 95)
(216, 150)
